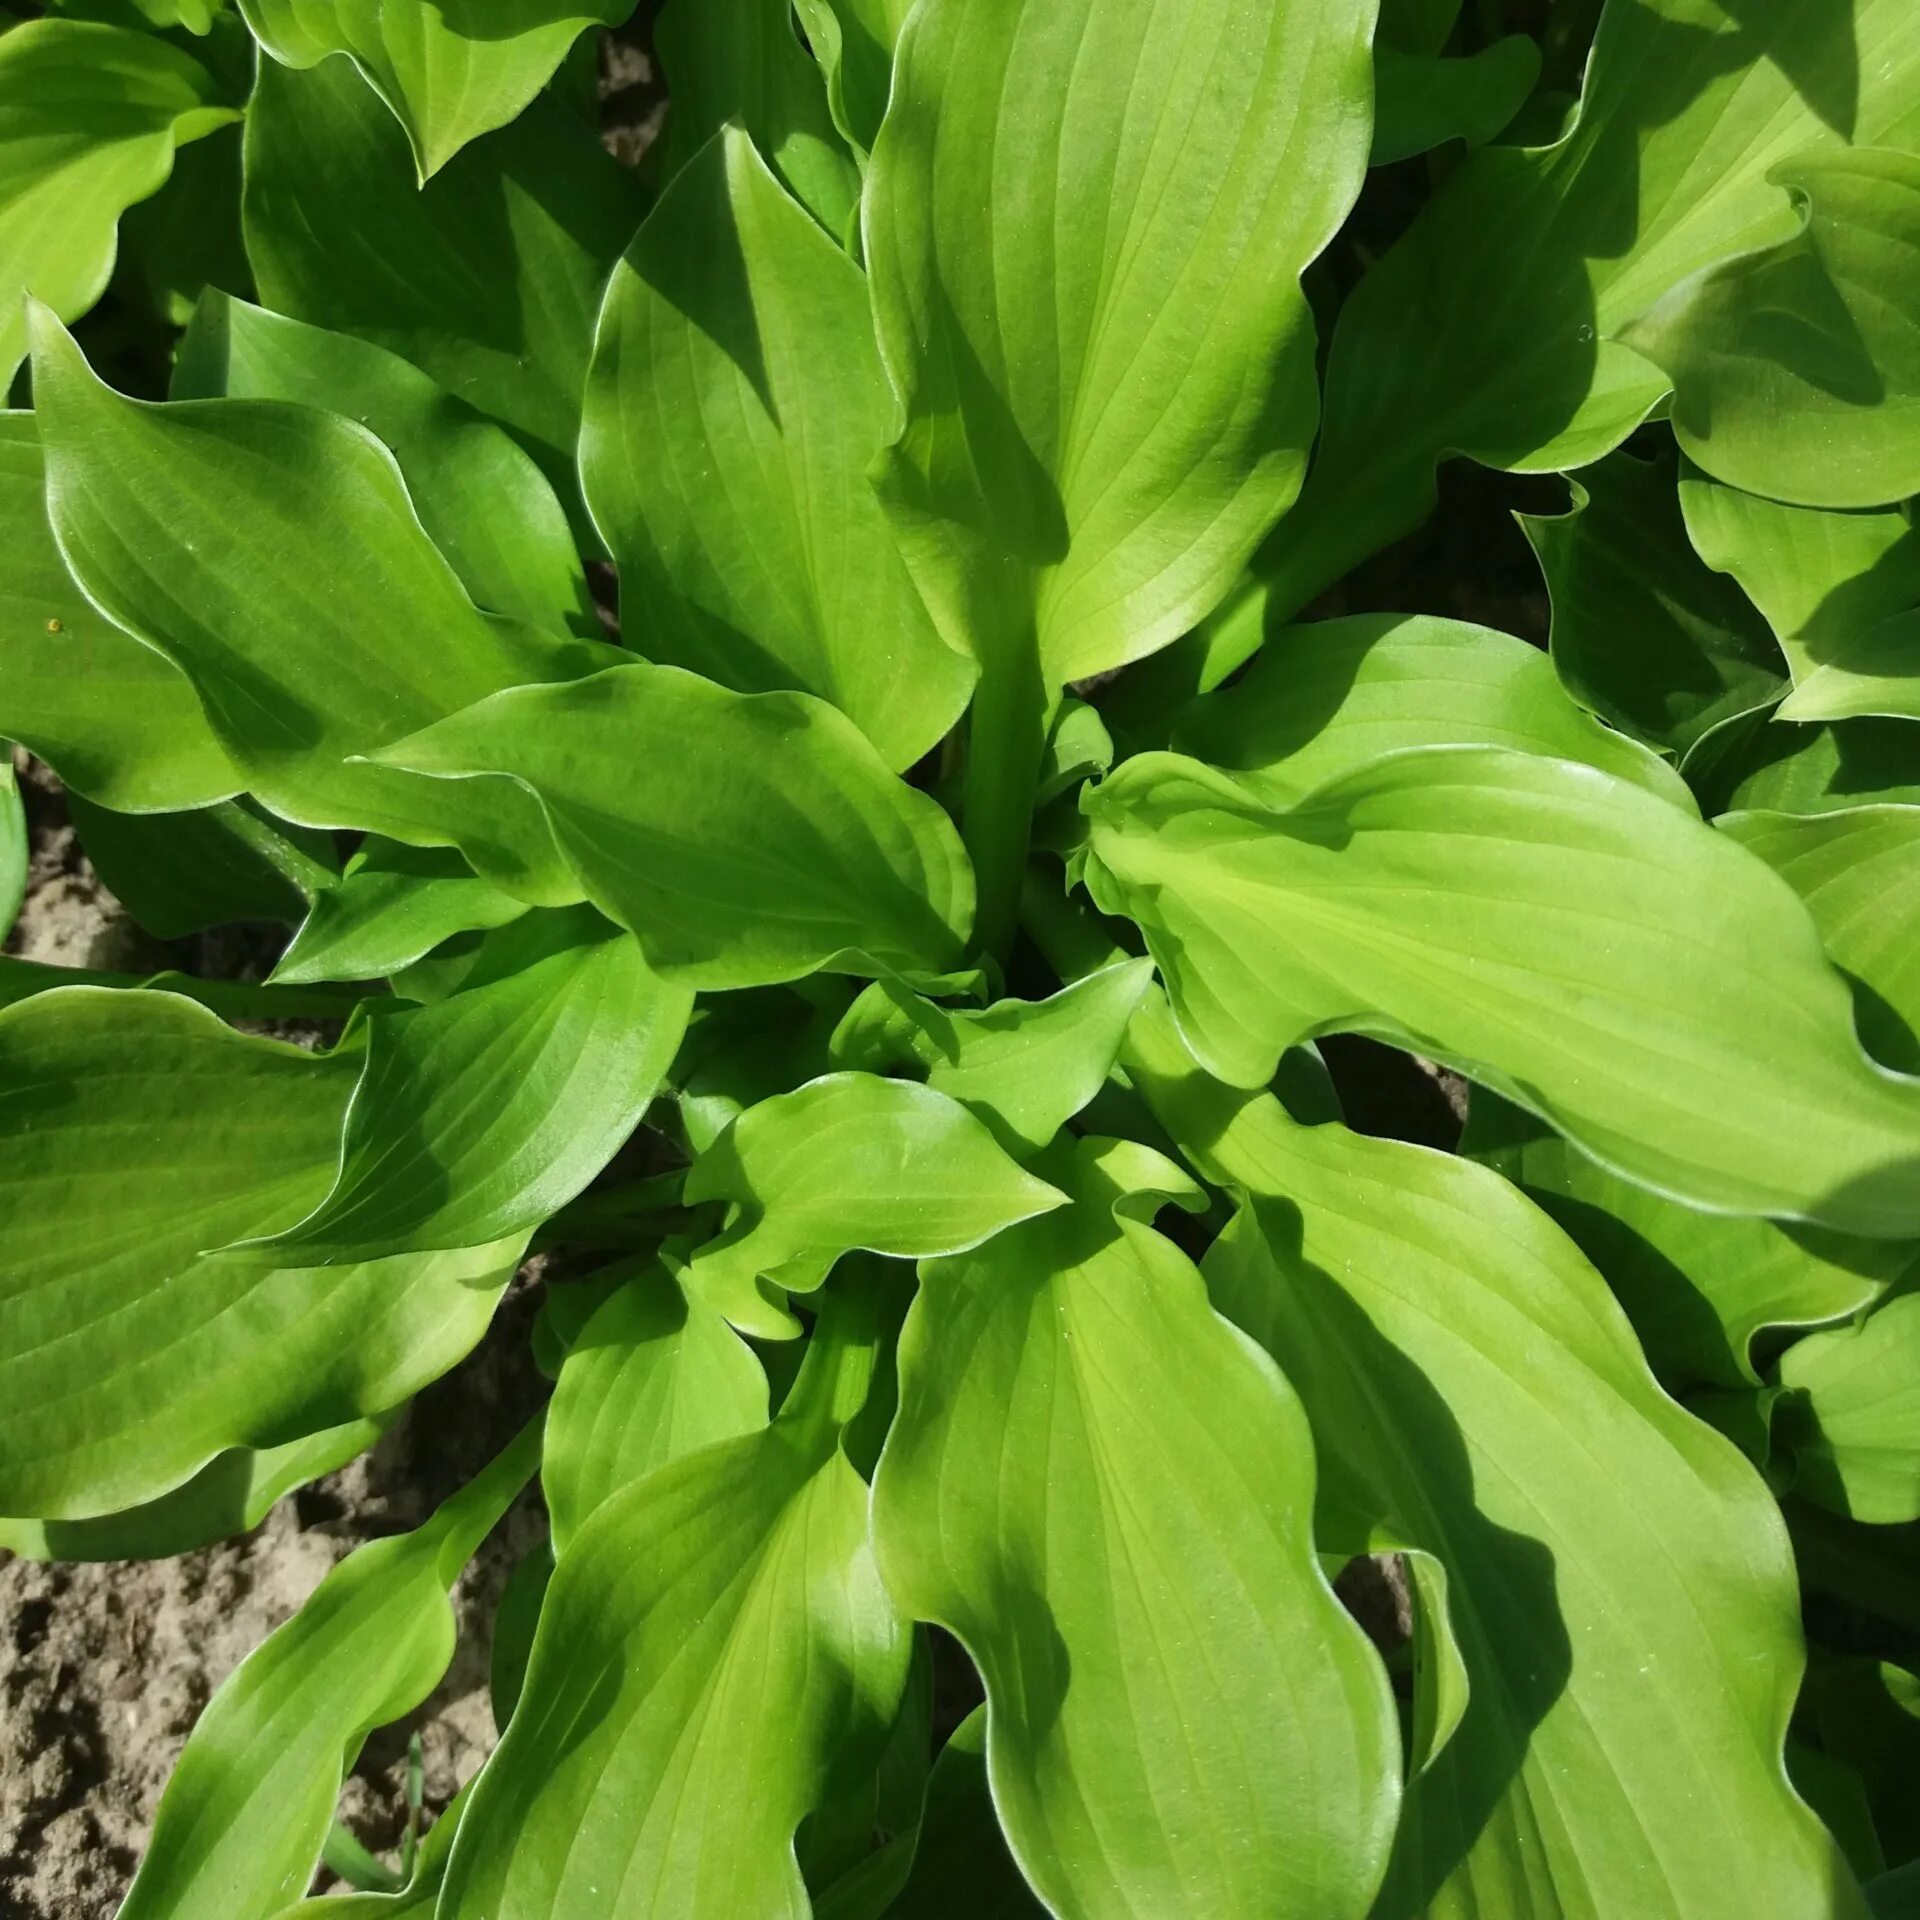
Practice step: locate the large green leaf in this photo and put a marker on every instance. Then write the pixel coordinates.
(744, 839)
(270, 551)
(116, 720)
(1791, 768)
(848, 1161)
(853, 40)
(1585, 949)
(715, 1652)
(733, 409)
(1851, 1418)
(1106, 1495)
(488, 278)
(1085, 225)
(1643, 635)
(1328, 697)
(1877, 673)
(89, 118)
(138, 1132)
(741, 61)
(477, 1118)
(450, 70)
(1859, 873)
(240, 1826)
(481, 498)
(1618, 1580)
(1494, 326)
(1796, 369)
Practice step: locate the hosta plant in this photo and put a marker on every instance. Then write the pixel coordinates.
(885, 970)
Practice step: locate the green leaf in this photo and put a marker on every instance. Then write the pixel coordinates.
(848, 1161)
(1497, 325)
(1868, 1714)
(478, 1117)
(655, 1374)
(744, 839)
(1106, 1496)
(1851, 1417)
(1025, 1067)
(505, 250)
(1332, 695)
(481, 498)
(231, 999)
(1878, 673)
(734, 406)
(392, 906)
(742, 1048)
(1422, 101)
(450, 72)
(1700, 1288)
(242, 1820)
(117, 721)
(1796, 368)
(89, 118)
(715, 1651)
(14, 850)
(138, 1131)
(854, 40)
(1642, 634)
(1618, 1579)
(741, 62)
(1859, 873)
(269, 550)
(1821, 769)
(1576, 944)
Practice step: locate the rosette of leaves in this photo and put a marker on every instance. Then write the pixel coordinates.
(891, 971)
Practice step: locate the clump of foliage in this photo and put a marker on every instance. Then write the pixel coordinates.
(888, 976)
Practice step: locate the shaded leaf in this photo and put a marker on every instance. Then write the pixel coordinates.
(1851, 1417)
(1422, 101)
(853, 40)
(1879, 673)
(1820, 769)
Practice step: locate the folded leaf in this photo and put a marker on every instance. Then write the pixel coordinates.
(270, 551)
(1851, 1417)
(480, 496)
(1796, 368)
(137, 1132)
(734, 406)
(1878, 673)
(117, 721)
(853, 40)
(1422, 101)
(1331, 696)
(715, 1650)
(1025, 1067)
(241, 1823)
(1106, 1496)
(848, 1161)
(1586, 950)
(743, 839)
(655, 1374)
(505, 250)
(14, 852)
(449, 72)
(89, 118)
(1793, 768)
(1618, 1579)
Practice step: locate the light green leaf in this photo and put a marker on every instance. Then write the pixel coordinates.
(137, 1132)
(1581, 947)
(241, 1823)
(741, 61)
(1878, 673)
(116, 720)
(1422, 101)
(1496, 326)
(1106, 1496)
(1851, 1416)
(847, 1161)
(1796, 368)
(716, 1650)
(655, 1374)
(478, 1117)
(1618, 1579)
(742, 1048)
(89, 118)
(450, 70)
(270, 550)
(1330, 696)
(1859, 873)
(14, 850)
(481, 498)
(231, 999)
(505, 250)
(1025, 1067)
(1820, 769)
(1643, 635)
(744, 839)
(734, 406)
(1078, 745)
(853, 40)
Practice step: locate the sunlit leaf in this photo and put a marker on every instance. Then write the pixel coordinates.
(1851, 1417)
(1877, 673)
